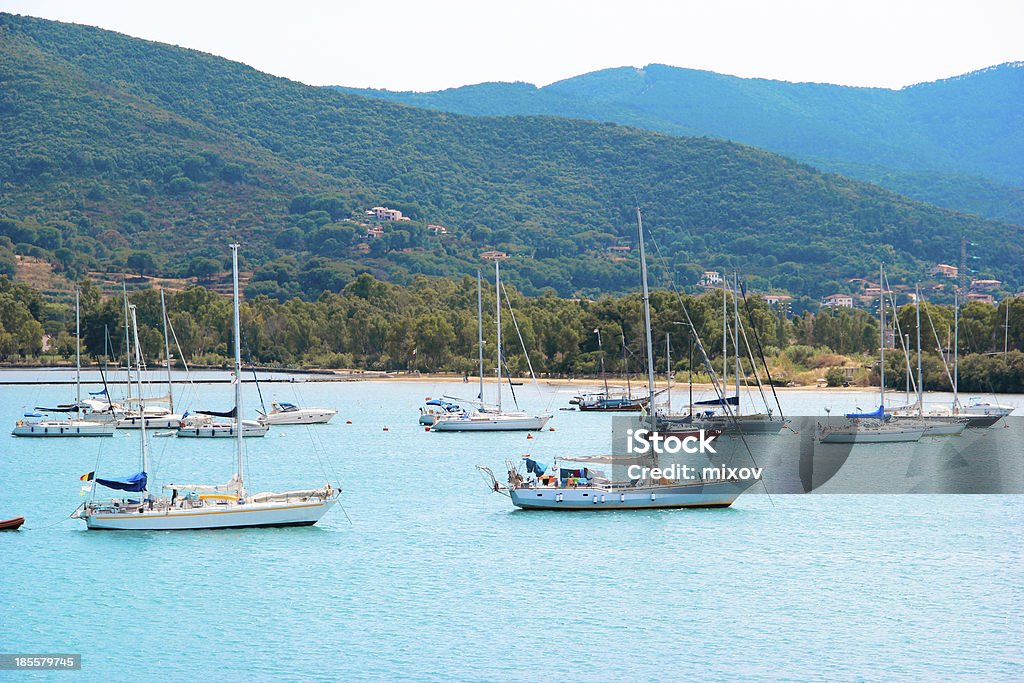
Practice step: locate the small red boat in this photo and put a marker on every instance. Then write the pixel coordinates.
(11, 524)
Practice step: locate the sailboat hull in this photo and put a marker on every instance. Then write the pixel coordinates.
(250, 515)
(71, 428)
(854, 435)
(488, 424)
(714, 494)
(161, 422)
(250, 428)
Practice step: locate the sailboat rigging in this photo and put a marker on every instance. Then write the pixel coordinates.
(584, 487)
(487, 418)
(204, 506)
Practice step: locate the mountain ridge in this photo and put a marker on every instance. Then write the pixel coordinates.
(121, 148)
(961, 133)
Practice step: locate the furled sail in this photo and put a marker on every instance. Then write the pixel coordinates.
(230, 413)
(731, 400)
(135, 482)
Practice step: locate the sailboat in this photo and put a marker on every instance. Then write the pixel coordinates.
(487, 418)
(873, 427)
(724, 413)
(977, 414)
(609, 401)
(934, 423)
(203, 506)
(35, 425)
(587, 488)
(155, 416)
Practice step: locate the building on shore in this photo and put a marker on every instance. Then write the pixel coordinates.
(837, 301)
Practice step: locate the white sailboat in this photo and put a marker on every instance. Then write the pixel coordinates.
(914, 415)
(212, 424)
(156, 416)
(874, 427)
(35, 425)
(587, 488)
(724, 414)
(486, 418)
(204, 506)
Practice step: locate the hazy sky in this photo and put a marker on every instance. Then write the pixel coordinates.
(428, 44)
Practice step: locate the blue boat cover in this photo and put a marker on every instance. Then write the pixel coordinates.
(875, 415)
(534, 467)
(98, 393)
(136, 482)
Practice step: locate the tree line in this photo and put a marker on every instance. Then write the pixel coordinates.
(431, 326)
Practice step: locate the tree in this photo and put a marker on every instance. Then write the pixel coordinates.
(834, 377)
(141, 262)
(202, 267)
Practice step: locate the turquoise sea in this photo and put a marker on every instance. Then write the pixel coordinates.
(426, 575)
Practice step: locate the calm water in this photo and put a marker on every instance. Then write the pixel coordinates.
(431, 577)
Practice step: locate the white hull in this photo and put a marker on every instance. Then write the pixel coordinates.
(695, 495)
(303, 416)
(232, 516)
(986, 410)
(482, 422)
(869, 435)
(223, 430)
(63, 428)
(934, 426)
(160, 422)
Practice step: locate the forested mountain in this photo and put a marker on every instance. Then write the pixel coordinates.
(957, 142)
(126, 154)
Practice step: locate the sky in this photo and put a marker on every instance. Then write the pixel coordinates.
(435, 44)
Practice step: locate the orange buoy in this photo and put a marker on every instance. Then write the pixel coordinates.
(426, 429)
(551, 429)
(348, 422)
(529, 436)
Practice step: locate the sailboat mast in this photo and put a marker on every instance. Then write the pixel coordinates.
(921, 385)
(600, 348)
(725, 336)
(956, 350)
(668, 369)
(480, 329)
(1006, 329)
(647, 317)
(625, 368)
(689, 367)
(138, 376)
(167, 352)
(736, 335)
(239, 446)
(497, 293)
(881, 335)
(127, 343)
(78, 354)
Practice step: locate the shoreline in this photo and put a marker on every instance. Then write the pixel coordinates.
(320, 375)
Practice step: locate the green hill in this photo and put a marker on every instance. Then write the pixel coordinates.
(957, 143)
(127, 154)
